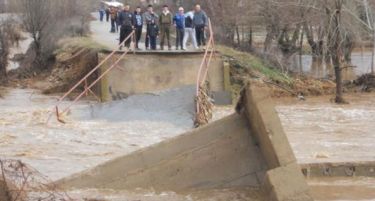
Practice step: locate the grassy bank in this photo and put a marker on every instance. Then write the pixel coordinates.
(255, 65)
(245, 66)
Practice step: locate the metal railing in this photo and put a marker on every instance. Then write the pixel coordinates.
(84, 80)
(204, 67)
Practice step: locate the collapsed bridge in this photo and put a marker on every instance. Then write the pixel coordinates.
(249, 148)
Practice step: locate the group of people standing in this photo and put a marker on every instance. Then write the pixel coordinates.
(187, 25)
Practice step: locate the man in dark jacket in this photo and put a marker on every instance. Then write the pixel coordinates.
(138, 24)
(127, 26)
(200, 22)
(179, 23)
(165, 22)
(151, 20)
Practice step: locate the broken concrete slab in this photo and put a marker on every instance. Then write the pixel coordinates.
(266, 126)
(222, 154)
(284, 179)
(245, 149)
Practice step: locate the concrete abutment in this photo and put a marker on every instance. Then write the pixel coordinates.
(147, 72)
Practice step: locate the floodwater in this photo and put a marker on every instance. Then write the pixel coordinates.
(361, 62)
(343, 189)
(94, 133)
(237, 194)
(321, 131)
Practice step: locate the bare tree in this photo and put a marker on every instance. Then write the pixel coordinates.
(335, 44)
(37, 14)
(48, 21)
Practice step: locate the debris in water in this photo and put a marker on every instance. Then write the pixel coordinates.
(23, 183)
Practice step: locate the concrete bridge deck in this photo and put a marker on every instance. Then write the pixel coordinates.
(146, 72)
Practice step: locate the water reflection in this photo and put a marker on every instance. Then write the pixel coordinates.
(361, 64)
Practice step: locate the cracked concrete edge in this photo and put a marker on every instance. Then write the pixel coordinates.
(284, 180)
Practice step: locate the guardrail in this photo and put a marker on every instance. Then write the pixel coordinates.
(84, 80)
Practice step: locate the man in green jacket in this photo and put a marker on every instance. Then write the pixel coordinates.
(166, 21)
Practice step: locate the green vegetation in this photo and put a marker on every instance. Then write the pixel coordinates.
(245, 66)
(256, 65)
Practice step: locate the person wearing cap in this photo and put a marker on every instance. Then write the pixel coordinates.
(179, 23)
(165, 21)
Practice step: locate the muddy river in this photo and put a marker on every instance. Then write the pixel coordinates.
(343, 189)
(318, 130)
(92, 134)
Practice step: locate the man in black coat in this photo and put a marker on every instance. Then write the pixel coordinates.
(126, 21)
